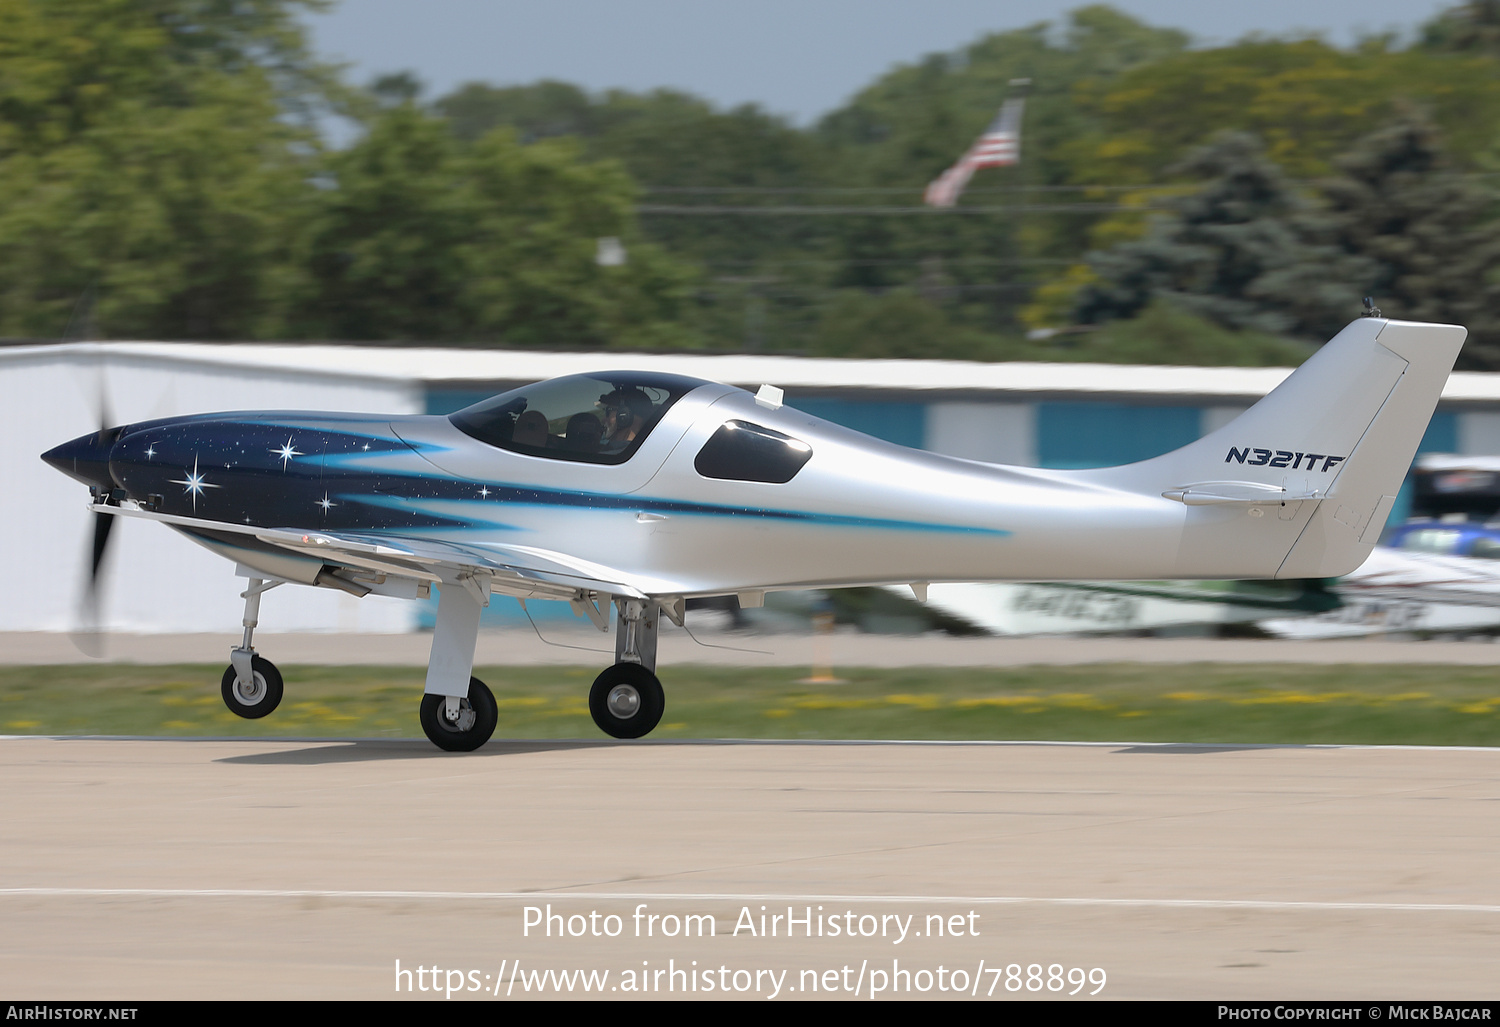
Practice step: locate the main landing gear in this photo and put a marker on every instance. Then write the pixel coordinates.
(458, 711)
(460, 725)
(627, 700)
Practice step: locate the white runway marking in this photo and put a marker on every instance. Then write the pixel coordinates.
(991, 900)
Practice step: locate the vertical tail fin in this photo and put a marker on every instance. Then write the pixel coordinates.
(1337, 436)
(1348, 522)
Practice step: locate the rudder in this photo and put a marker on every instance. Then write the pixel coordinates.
(1348, 521)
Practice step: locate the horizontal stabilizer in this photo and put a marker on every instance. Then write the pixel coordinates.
(1213, 493)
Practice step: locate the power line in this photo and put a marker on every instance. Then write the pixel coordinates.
(943, 262)
(767, 190)
(821, 210)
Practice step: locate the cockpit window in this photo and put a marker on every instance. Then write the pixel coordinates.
(741, 451)
(593, 418)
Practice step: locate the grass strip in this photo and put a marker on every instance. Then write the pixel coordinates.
(1238, 703)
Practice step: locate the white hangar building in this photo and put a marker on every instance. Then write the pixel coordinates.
(1051, 415)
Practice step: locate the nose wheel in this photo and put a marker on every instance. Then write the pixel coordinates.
(256, 696)
(627, 701)
(470, 728)
(252, 685)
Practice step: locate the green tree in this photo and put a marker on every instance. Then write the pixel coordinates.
(686, 154)
(1165, 334)
(386, 240)
(1307, 100)
(1232, 253)
(771, 275)
(146, 152)
(539, 213)
(907, 127)
(678, 147)
(898, 323)
(1467, 28)
(1429, 237)
(419, 236)
(542, 110)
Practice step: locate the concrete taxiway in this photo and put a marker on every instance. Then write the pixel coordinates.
(141, 869)
(573, 646)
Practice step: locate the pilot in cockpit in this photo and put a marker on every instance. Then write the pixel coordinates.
(625, 414)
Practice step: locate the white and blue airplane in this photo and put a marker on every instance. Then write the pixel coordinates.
(642, 490)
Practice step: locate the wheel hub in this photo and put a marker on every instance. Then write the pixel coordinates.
(465, 719)
(250, 692)
(624, 701)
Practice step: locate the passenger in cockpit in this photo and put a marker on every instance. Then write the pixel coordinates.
(584, 435)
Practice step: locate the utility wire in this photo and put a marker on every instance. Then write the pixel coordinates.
(780, 190)
(715, 210)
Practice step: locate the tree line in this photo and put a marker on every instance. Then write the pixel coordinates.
(164, 174)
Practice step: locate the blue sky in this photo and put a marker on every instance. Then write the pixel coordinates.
(799, 58)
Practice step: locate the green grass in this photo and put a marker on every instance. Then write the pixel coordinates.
(1134, 702)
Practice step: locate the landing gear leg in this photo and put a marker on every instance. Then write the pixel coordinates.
(458, 712)
(627, 700)
(251, 685)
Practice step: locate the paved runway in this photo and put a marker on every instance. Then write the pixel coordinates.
(139, 869)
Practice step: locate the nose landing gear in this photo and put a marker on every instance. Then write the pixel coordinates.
(256, 697)
(251, 686)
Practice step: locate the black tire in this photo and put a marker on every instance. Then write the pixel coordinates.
(261, 698)
(629, 685)
(466, 735)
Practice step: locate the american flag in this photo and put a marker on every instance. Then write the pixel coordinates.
(999, 146)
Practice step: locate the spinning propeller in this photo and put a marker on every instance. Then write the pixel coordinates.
(87, 636)
(87, 459)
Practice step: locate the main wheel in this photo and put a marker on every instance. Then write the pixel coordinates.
(627, 701)
(259, 696)
(477, 717)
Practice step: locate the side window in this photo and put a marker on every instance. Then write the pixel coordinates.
(741, 451)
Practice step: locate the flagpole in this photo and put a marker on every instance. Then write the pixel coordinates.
(1021, 88)
(998, 146)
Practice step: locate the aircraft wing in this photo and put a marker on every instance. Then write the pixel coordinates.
(521, 571)
(514, 570)
(1424, 577)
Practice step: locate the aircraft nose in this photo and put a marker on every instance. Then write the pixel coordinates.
(86, 458)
